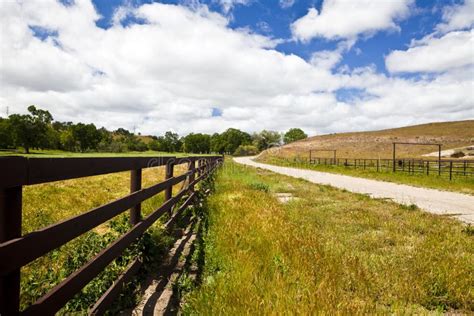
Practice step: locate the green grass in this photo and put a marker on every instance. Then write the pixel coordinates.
(327, 252)
(457, 184)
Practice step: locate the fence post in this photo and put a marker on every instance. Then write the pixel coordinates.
(378, 163)
(192, 167)
(169, 174)
(428, 168)
(135, 185)
(465, 165)
(10, 228)
(450, 170)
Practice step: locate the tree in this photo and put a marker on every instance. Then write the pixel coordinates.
(197, 143)
(293, 135)
(86, 136)
(232, 138)
(171, 142)
(6, 137)
(266, 139)
(30, 130)
(217, 143)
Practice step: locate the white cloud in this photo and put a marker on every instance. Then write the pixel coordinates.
(285, 4)
(457, 17)
(168, 74)
(431, 54)
(228, 5)
(348, 18)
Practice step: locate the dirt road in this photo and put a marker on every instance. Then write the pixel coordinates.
(457, 205)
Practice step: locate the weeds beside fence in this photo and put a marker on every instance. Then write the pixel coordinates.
(17, 251)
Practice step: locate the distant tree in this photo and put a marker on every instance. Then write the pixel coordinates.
(293, 135)
(86, 136)
(6, 137)
(197, 143)
(123, 132)
(217, 143)
(232, 138)
(266, 139)
(30, 130)
(171, 142)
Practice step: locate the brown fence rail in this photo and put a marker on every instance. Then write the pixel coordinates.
(448, 168)
(16, 250)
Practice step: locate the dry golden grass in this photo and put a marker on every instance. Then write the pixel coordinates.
(327, 252)
(378, 144)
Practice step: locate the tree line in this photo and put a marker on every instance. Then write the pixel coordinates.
(38, 130)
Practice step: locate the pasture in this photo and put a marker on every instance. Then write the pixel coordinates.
(326, 251)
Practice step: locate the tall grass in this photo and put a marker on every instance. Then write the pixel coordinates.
(327, 251)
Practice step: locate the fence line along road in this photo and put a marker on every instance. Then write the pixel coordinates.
(460, 206)
(448, 168)
(17, 251)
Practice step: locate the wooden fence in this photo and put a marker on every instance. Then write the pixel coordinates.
(16, 250)
(448, 168)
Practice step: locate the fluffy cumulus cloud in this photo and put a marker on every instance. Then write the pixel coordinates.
(172, 68)
(348, 18)
(458, 17)
(433, 54)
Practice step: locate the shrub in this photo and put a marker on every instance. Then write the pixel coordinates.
(246, 150)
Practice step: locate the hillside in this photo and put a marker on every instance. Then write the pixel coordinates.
(378, 144)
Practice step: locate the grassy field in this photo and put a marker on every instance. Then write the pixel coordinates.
(327, 251)
(378, 144)
(50, 203)
(458, 184)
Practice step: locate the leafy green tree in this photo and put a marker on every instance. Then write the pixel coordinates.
(171, 142)
(217, 143)
(197, 143)
(266, 139)
(6, 137)
(86, 136)
(30, 130)
(232, 138)
(293, 135)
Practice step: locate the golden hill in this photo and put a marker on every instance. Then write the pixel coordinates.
(378, 144)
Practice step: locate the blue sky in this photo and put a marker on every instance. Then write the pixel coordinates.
(207, 65)
(269, 18)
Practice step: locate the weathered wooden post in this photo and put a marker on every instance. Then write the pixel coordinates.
(10, 228)
(192, 167)
(439, 160)
(135, 185)
(451, 170)
(428, 168)
(393, 160)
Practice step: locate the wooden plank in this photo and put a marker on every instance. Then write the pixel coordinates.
(10, 227)
(100, 307)
(64, 291)
(25, 249)
(13, 171)
(41, 170)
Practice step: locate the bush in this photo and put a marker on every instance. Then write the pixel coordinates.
(246, 150)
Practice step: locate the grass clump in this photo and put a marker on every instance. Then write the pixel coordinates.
(327, 252)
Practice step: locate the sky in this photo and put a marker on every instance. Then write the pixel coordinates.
(325, 66)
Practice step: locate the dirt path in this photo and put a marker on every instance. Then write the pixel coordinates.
(458, 205)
